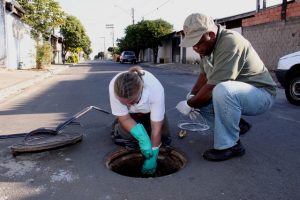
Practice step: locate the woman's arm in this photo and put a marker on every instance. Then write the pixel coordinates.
(156, 133)
(126, 122)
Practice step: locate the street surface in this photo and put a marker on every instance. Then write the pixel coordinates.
(268, 171)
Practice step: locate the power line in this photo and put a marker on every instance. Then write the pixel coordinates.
(156, 8)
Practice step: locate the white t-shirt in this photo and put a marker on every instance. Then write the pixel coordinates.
(152, 100)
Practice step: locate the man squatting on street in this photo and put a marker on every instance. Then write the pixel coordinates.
(233, 81)
(137, 100)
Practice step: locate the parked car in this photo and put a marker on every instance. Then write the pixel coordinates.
(128, 56)
(288, 75)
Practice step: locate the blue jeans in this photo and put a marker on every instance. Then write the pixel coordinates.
(230, 100)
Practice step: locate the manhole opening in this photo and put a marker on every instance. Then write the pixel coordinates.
(129, 163)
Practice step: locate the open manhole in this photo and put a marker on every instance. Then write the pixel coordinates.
(129, 163)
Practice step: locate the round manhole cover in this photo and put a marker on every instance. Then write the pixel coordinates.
(129, 163)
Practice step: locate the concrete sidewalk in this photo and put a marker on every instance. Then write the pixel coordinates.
(189, 68)
(13, 81)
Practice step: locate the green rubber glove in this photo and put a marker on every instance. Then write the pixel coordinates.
(149, 166)
(140, 133)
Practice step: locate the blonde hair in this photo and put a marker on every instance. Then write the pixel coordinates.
(129, 84)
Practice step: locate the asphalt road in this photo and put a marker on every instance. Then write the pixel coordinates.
(268, 171)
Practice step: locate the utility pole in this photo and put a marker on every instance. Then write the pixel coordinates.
(126, 11)
(283, 10)
(103, 44)
(111, 26)
(132, 15)
(257, 5)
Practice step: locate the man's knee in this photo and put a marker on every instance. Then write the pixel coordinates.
(220, 91)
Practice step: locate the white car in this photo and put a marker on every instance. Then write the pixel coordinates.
(288, 75)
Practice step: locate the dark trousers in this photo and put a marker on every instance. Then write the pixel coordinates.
(122, 137)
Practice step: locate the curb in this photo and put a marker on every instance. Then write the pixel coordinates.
(6, 92)
(192, 69)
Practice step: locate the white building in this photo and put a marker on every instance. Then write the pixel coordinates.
(17, 48)
(171, 52)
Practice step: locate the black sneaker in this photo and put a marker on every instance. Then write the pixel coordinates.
(244, 126)
(119, 140)
(224, 154)
(128, 144)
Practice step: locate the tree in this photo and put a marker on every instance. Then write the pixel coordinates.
(145, 34)
(42, 16)
(86, 45)
(154, 32)
(132, 40)
(75, 36)
(100, 55)
(113, 50)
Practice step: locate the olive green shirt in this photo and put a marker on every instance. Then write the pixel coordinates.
(233, 58)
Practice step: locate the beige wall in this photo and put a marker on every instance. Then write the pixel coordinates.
(191, 56)
(165, 52)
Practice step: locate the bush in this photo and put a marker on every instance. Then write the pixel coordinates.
(73, 58)
(43, 55)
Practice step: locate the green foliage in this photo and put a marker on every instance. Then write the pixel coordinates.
(75, 50)
(42, 15)
(145, 34)
(114, 50)
(75, 35)
(43, 55)
(110, 49)
(86, 57)
(100, 55)
(73, 58)
(117, 50)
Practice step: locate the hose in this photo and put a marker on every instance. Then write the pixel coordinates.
(58, 128)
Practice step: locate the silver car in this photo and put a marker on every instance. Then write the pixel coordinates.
(128, 56)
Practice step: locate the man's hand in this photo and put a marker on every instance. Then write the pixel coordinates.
(140, 133)
(185, 109)
(150, 164)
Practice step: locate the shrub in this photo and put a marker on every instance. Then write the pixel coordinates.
(43, 55)
(73, 58)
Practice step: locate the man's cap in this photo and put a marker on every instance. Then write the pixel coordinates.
(195, 25)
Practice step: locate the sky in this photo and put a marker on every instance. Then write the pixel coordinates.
(95, 15)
